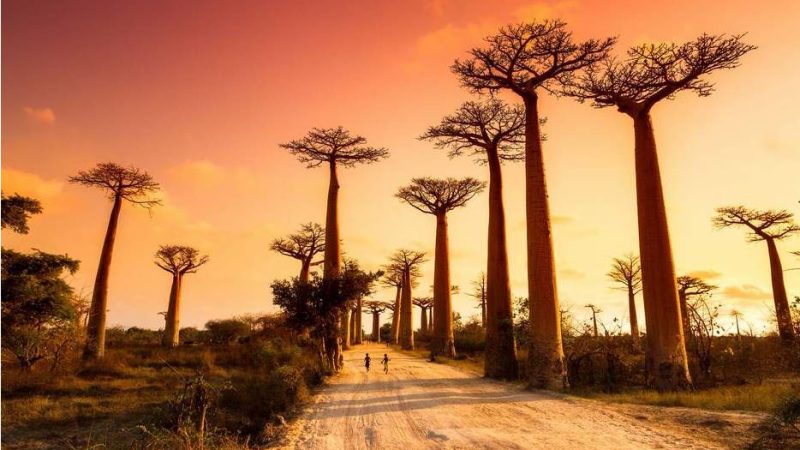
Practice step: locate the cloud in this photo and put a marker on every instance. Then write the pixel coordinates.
(705, 274)
(31, 185)
(41, 115)
(747, 292)
(571, 274)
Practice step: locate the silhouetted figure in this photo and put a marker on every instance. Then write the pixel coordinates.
(367, 359)
(385, 363)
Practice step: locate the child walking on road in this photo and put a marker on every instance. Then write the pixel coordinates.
(385, 363)
(367, 359)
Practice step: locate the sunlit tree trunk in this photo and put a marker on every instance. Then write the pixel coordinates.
(171, 336)
(667, 361)
(344, 329)
(406, 317)
(333, 256)
(423, 320)
(376, 326)
(305, 270)
(501, 351)
(632, 313)
(96, 330)
(359, 325)
(442, 342)
(683, 302)
(782, 311)
(546, 353)
(398, 307)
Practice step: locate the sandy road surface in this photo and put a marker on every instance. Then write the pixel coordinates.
(421, 405)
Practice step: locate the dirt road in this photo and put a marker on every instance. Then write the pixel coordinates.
(422, 405)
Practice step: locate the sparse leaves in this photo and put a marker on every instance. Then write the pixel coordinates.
(303, 245)
(627, 272)
(336, 146)
(129, 183)
(693, 286)
(438, 196)
(762, 224)
(179, 259)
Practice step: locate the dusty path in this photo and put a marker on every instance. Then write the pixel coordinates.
(421, 405)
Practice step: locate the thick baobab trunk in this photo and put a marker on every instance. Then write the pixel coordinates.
(483, 312)
(442, 342)
(632, 314)
(359, 327)
(345, 329)
(96, 330)
(333, 256)
(501, 350)
(423, 320)
(666, 356)
(398, 307)
(376, 326)
(406, 317)
(546, 353)
(305, 270)
(782, 310)
(172, 328)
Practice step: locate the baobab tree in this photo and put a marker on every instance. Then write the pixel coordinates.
(527, 59)
(689, 286)
(121, 184)
(408, 261)
(335, 147)
(493, 132)
(438, 197)
(627, 273)
(595, 311)
(479, 294)
(649, 74)
(302, 246)
(393, 277)
(736, 314)
(769, 226)
(424, 304)
(375, 308)
(178, 260)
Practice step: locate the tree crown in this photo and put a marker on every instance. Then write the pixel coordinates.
(374, 306)
(438, 196)
(407, 261)
(525, 56)
(16, 210)
(423, 302)
(128, 183)
(653, 72)
(179, 259)
(763, 224)
(692, 286)
(303, 245)
(627, 271)
(335, 146)
(480, 127)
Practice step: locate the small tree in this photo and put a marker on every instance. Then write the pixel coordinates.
(438, 197)
(479, 294)
(17, 210)
(526, 59)
(769, 226)
(595, 310)
(408, 262)
(424, 304)
(650, 74)
(302, 246)
(689, 287)
(178, 260)
(122, 184)
(493, 132)
(626, 272)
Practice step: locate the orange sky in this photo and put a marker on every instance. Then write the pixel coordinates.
(201, 93)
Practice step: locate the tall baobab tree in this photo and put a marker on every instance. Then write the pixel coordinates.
(438, 197)
(595, 311)
(408, 261)
(689, 286)
(527, 59)
(479, 294)
(375, 308)
(178, 260)
(493, 132)
(425, 304)
(122, 184)
(393, 277)
(768, 226)
(736, 316)
(626, 272)
(652, 73)
(335, 147)
(302, 246)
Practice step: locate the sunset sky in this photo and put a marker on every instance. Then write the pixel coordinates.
(200, 94)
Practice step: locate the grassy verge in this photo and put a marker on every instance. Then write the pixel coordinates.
(757, 398)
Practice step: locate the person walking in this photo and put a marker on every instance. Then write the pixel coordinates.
(385, 363)
(367, 360)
